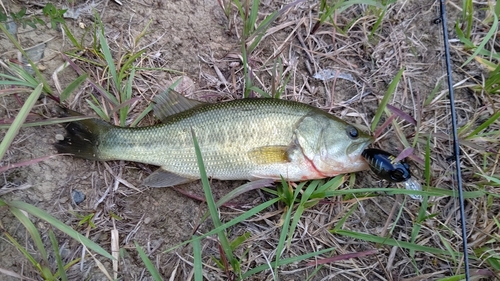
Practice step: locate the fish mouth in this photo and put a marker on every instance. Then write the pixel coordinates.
(356, 149)
(365, 145)
(355, 155)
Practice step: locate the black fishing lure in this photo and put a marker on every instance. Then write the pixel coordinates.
(383, 165)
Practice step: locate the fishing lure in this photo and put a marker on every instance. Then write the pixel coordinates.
(383, 165)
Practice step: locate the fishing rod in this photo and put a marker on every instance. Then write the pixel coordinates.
(456, 144)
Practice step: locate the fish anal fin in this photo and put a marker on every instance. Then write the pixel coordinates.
(171, 102)
(269, 154)
(163, 178)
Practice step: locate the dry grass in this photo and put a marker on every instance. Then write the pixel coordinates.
(283, 63)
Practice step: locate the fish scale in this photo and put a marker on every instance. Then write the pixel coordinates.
(224, 141)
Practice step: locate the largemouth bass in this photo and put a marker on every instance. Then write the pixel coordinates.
(244, 139)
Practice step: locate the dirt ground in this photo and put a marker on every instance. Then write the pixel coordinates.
(193, 38)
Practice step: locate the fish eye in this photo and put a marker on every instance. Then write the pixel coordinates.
(352, 132)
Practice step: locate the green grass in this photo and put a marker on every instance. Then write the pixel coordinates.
(45, 268)
(147, 262)
(328, 8)
(252, 34)
(385, 100)
(18, 80)
(294, 209)
(483, 53)
(18, 122)
(39, 76)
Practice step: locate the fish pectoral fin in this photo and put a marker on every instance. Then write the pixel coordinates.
(163, 178)
(269, 154)
(171, 102)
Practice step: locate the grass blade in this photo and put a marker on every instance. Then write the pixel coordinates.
(285, 262)
(243, 189)
(60, 267)
(467, 15)
(23, 251)
(198, 263)
(394, 242)
(147, 262)
(490, 256)
(301, 208)
(109, 59)
(18, 80)
(128, 64)
(16, 83)
(486, 39)
(97, 109)
(230, 223)
(388, 94)
(72, 86)
(286, 220)
(23, 74)
(41, 214)
(237, 192)
(126, 95)
(211, 203)
(33, 231)
(484, 125)
(142, 115)
(49, 121)
(430, 192)
(39, 75)
(263, 26)
(259, 91)
(468, 44)
(20, 118)
(342, 221)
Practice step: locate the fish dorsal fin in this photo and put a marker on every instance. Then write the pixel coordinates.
(269, 154)
(171, 102)
(163, 178)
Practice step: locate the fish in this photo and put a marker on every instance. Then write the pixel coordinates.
(243, 139)
(382, 164)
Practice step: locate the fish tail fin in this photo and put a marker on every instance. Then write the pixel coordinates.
(82, 137)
